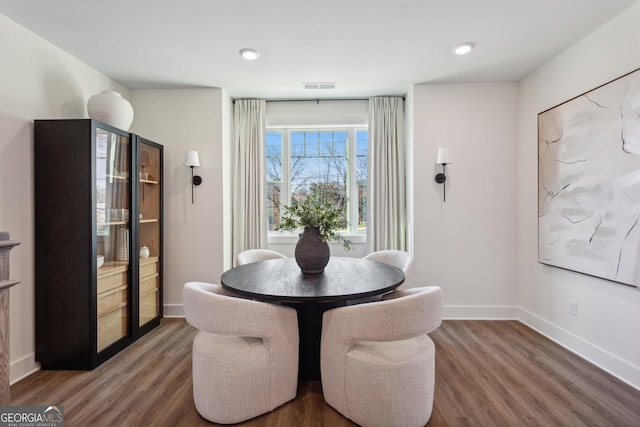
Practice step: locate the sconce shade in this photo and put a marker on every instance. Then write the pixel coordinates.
(444, 156)
(192, 159)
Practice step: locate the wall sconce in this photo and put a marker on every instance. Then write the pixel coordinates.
(443, 158)
(193, 162)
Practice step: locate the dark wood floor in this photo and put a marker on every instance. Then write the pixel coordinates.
(488, 373)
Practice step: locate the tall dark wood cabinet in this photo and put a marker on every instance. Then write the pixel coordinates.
(98, 236)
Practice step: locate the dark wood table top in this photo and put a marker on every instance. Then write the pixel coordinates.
(343, 279)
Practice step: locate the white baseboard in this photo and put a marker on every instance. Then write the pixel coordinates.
(22, 368)
(173, 310)
(619, 368)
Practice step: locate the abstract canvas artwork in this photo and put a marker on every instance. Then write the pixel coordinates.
(589, 182)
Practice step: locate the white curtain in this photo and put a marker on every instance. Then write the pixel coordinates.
(249, 211)
(386, 215)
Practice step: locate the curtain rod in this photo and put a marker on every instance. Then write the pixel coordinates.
(317, 100)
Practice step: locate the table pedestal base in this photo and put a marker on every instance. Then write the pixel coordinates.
(310, 332)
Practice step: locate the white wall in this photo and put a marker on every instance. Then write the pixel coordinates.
(227, 179)
(39, 81)
(467, 245)
(317, 113)
(182, 120)
(606, 327)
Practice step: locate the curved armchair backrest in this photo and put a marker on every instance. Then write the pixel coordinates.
(403, 314)
(401, 259)
(245, 354)
(433, 310)
(209, 308)
(255, 255)
(382, 345)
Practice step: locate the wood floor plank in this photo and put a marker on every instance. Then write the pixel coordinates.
(488, 373)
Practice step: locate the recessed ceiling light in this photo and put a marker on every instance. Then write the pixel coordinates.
(463, 48)
(249, 54)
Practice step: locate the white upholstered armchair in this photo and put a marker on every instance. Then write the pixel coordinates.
(377, 362)
(245, 356)
(401, 259)
(255, 255)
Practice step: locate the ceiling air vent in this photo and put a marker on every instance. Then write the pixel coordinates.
(319, 85)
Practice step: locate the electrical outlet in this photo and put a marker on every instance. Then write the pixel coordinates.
(573, 307)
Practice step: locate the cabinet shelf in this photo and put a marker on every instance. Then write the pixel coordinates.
(111, 309)
(148, 260)
(110, 268)
(116, 223)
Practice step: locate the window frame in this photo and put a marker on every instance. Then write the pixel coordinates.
(356, 236)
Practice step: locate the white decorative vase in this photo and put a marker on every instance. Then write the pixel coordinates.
(144, 252)
(111, 108)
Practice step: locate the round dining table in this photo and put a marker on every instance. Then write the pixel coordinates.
(281, 280)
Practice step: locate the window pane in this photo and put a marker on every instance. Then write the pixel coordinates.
(297, 144)
(273, 206)
(362, 151)
(326, 143)
(274, 178)
(274, 144)
(362, 143)
(320, 170)
(340, 143)
(311, 144)
(274, 156)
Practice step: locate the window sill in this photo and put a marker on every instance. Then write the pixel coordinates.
(291, 238)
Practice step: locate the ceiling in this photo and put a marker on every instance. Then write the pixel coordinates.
(367, 47)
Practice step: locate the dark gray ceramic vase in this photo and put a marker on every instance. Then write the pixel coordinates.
(312, 254)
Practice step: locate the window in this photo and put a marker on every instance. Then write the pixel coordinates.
(330, 161)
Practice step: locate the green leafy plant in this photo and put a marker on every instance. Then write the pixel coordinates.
(316, 212)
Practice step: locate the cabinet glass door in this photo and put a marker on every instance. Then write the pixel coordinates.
(113, 235)
(149, 229)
